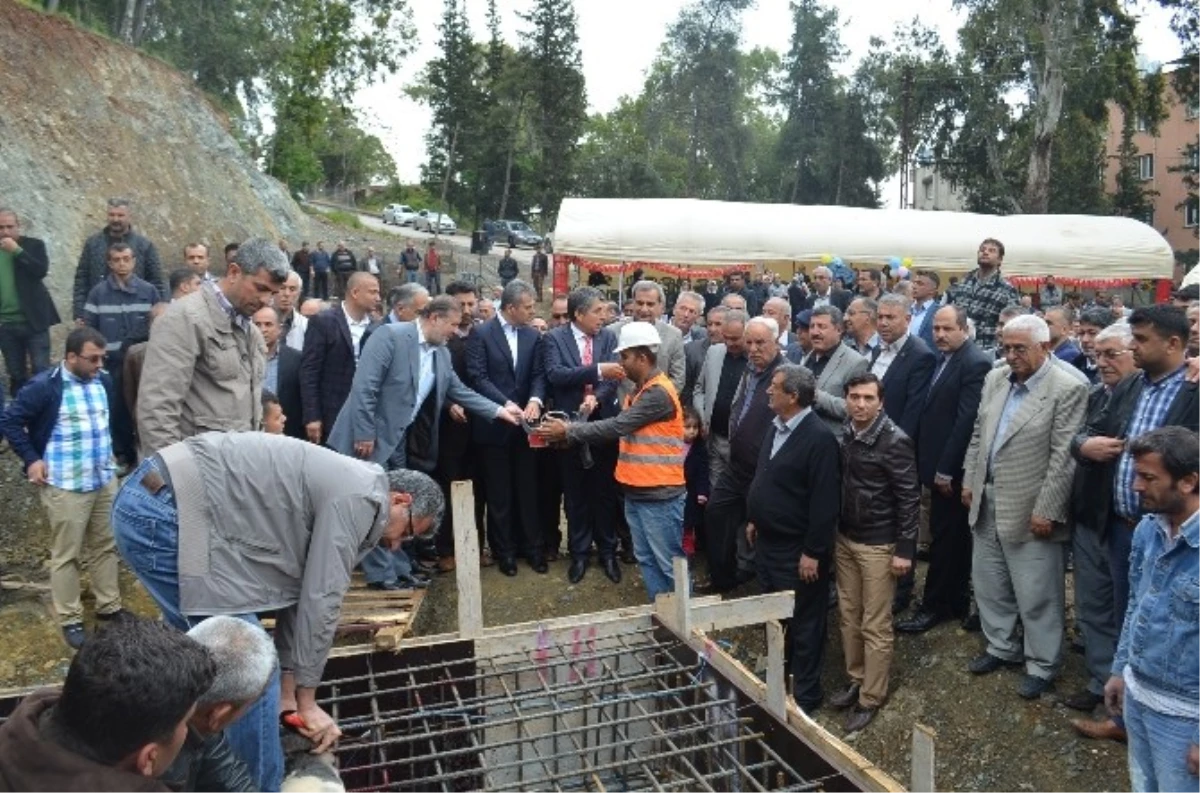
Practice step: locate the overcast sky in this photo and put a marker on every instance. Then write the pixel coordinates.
(619, 39)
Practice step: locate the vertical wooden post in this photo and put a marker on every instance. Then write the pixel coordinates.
(466, 555)
(683, 597)
(922, 759)
(776, 693)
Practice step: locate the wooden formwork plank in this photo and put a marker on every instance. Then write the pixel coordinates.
(466, 554)
(923, 759)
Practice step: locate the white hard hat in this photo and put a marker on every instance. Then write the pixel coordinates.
(638, 334)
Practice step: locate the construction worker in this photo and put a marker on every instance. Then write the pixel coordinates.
(651, 451)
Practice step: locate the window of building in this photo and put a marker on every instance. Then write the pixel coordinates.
(1140, 124)
(1147, 217)
(1191, 213)
(929, 191)
(1192, 111)
(1146, 166)
(1194, 158)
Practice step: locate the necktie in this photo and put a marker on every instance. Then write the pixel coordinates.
(587, 350)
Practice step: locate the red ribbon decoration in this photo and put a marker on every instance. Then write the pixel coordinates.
(675, 271)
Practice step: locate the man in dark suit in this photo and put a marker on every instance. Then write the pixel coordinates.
(942, 438)
(582, 378)
(731, 561)
(823, 293)
(505, 364)
(332, 345)
(793, 503)
(282, 375)
(902, 362)
(24, 327)
(925, 285)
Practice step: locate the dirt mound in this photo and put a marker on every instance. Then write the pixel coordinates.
(86, 118)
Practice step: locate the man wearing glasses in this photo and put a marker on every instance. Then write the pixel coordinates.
(59, 427)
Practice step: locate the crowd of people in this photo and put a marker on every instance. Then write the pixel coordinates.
(242, 443)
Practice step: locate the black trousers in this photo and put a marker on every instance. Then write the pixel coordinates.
(590, 496)
(452, 469)
(120, 422)
(778, 564)
(512, 508)
(723, 519)
(550, 498)
(320, 285)
(947, 583)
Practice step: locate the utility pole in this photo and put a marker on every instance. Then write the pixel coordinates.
(905, 133)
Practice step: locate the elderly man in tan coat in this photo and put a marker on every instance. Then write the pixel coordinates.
(205, 360)
(1017, 482)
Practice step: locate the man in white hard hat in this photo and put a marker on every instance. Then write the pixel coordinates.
(650, 462)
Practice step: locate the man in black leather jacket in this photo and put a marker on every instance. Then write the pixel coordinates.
(246, 661)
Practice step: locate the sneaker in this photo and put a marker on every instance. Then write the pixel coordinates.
(1032, 687)
(74, 635)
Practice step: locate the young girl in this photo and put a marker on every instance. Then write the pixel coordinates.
(695, 473)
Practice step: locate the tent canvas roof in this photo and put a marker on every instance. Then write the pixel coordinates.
(694, 232)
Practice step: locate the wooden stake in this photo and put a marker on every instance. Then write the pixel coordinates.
(922, 758)
(466, 553)
(776, 694)
(683, 597)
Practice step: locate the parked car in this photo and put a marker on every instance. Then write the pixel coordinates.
(427, 219)
(513, 233)
(398, 215)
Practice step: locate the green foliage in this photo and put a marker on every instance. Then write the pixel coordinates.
(340, 217)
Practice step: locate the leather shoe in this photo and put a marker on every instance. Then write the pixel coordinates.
(986, 663)
(386, 586)
(1106, 730)
(859, 718)
(627, 556)
(1083, 700)
(611, 569)
(538, 563)
(578, 568)
(845, 698)
(971, 623)
(899, 605)
(919, 622)
(508, 566)
(447, 564)
(1032, 686)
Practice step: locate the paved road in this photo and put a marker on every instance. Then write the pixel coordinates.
(461, 240)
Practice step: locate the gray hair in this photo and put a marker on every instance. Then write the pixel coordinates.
(799, 382)
(9, 211)
(896, 301)
(260, 253)
(1008, 312)
(646, 285)
(244, 656)
(868, 304)
(828, 310)
(119, 201)
(688, 294)
(1096, 317)
(581, 299)
(1032, 324)
(781, 301)
(440, 306)
(403, 296)
(427, 498)
(720, 310)
(736, 315)
(514, 290)
(293, 274)
(823, 270)
(767, 323)
(1121, 331)
(1066, 312)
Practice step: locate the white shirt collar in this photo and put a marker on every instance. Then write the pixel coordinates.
(362, 323)
(420, 334)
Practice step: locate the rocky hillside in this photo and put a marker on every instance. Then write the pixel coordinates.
(83, 118)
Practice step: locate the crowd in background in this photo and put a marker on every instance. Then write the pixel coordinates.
(811, 435)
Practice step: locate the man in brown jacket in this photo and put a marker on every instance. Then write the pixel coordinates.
(204, 366)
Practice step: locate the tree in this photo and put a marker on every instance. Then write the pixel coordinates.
(558, 98)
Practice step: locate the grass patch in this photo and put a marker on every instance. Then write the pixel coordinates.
(340, 218)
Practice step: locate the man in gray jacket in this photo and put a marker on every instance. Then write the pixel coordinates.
(242, 523)
(832, 363)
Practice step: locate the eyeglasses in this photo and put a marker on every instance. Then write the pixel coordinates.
(1015, 349)
(559, 316)
(1111, 355)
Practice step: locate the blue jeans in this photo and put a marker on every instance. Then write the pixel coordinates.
(411, 276)
(384, 566)
(146, 529)
(433, 282)
(657, 531)
(1158, 747)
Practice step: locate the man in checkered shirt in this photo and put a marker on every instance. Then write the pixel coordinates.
(985, 293)
(58, 425)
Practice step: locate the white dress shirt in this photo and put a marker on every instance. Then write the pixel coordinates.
(425, 384)
(357, 329)
(887, 354)
(579, 342)
(510, 335)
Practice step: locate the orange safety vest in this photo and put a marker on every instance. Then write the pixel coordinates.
(652, 456)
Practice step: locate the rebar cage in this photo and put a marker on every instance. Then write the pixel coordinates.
(635, 710)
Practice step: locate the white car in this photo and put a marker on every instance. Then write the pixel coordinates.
(398, 215)
(427, 219)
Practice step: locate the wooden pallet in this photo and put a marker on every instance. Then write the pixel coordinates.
(387, 616)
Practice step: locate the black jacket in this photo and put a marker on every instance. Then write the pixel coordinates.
(881, 497)
(1112, 421)
(695, 475)
(454, 438)
(30, 267)
(93, 266)
(795, 496)
(838, 297)
(207, 763)
(905, 383)
(490, 372)
(746, 436)
(948, 415)
(327, 367)
(289, 391)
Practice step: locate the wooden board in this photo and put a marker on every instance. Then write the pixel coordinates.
(387, 615)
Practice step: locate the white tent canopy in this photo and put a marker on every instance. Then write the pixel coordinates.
(694, 232)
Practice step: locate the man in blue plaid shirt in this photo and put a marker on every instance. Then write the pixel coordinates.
(58, 425)
(985, 293)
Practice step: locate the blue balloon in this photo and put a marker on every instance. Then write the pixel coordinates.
(894, 262)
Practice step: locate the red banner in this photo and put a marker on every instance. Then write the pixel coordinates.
(675, 271)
